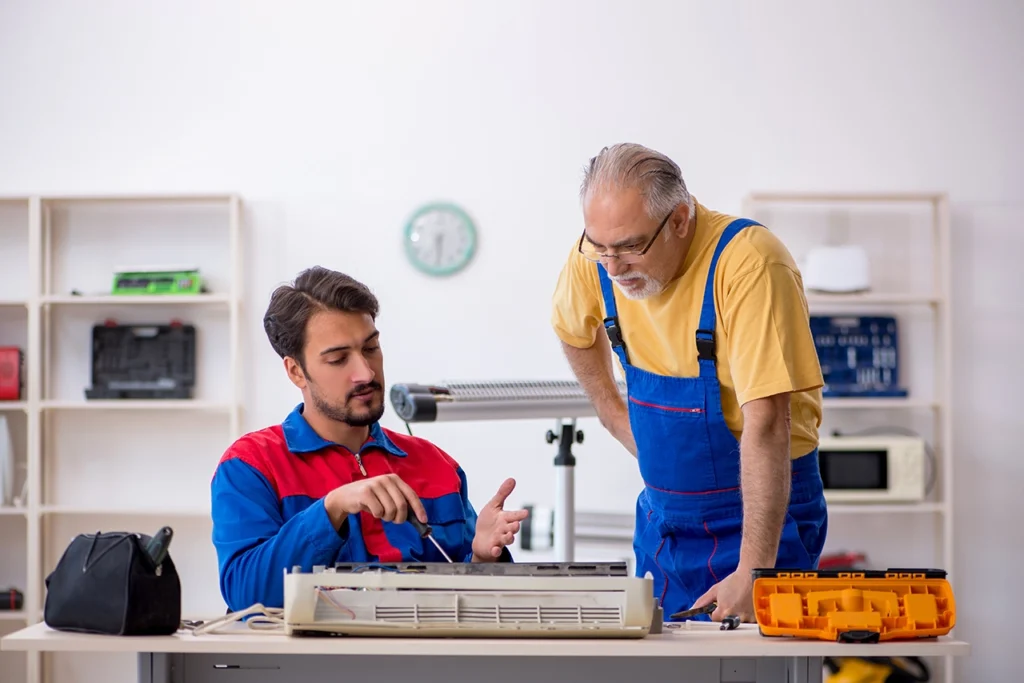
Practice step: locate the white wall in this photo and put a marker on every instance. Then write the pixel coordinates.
(335, 120)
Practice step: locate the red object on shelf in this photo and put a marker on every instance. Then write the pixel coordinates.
(11, 373)
(11, 600)
(841, 560)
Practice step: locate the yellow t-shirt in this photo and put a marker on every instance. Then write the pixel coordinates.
(763, 341)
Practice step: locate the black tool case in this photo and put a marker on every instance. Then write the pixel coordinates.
(143, 361)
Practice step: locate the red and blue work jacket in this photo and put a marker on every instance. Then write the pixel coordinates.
(268, 507)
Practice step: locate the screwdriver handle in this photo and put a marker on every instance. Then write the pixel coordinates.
(158, 545)
(424, 530)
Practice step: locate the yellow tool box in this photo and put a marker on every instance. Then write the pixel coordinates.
(854, 606)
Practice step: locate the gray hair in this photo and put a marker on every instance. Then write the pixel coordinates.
(629, 165)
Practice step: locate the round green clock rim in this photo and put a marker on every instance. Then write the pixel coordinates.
(443, 206)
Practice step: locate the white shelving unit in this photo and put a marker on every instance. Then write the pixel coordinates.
(908, 242)
(16, 524)
(58, 256)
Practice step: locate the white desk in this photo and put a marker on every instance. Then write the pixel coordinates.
(698, 654)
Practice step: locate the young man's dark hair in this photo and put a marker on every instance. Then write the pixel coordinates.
(315, 289)
(330, 484)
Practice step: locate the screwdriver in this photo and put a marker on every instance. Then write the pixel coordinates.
(158, 545)
(425, 531)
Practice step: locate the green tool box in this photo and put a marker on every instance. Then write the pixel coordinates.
(157, 280)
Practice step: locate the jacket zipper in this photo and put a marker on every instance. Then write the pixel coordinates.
(359, 461)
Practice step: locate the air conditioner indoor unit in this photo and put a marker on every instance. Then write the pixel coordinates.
(489, 600)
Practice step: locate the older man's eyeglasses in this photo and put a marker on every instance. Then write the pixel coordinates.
(625, 254)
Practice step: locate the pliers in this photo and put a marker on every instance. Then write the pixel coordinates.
(729, 623)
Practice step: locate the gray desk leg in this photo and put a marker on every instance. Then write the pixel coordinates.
(805, 669)
(160, 667)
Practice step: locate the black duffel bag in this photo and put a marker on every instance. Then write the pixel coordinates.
(115, 583)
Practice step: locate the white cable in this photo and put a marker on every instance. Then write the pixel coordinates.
(265, 620)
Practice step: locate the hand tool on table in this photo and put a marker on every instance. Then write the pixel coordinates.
(729, 623)
(425, 531)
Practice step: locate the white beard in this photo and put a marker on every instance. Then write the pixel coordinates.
(648, 286)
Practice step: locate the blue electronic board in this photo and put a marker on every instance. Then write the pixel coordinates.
(858, 355)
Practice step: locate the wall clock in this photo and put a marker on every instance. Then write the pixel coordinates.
(440, 239)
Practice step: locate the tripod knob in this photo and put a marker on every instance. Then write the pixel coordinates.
(550, 436)
(579, 437)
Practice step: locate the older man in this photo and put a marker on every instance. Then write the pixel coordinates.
(707, 317)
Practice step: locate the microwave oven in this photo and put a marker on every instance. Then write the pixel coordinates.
(873, 469)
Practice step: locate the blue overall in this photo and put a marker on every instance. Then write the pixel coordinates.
(689, 515)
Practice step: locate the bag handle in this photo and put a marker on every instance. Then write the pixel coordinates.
(92, 546)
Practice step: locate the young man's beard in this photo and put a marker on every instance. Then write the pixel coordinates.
(344, 414)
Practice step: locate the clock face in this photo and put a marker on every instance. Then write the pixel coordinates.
(440, 239)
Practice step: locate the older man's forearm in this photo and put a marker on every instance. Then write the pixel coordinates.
(765, 469)
(593, 368)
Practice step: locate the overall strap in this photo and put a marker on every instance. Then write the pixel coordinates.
(611, 316)
(706, 328)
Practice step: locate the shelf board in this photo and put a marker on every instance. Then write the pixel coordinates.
(151, 198)
(84, 510)
(880, 403)
(885, 508)
(13, 303)
(11, 511)
(135, 299)
(854, 197)
(871, 298)
(594, 534)
(613, 527)
(12, 406)
(15, 615)
(142, 404)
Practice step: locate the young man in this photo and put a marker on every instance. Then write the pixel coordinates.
(330, 484)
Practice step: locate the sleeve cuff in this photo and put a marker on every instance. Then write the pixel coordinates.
(324, 537)
(773, 388)
(574, 340)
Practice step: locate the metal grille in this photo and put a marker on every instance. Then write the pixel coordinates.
(516, 390)
(492, 400)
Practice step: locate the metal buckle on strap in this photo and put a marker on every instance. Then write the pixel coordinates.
(706, 345)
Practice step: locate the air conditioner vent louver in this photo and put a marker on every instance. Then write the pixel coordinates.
(424, 607)
(497, 615)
